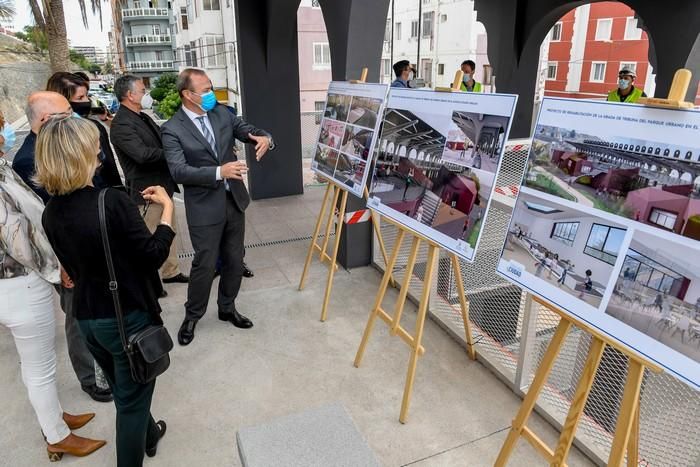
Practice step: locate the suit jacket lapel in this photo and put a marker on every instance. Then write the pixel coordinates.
(190, 125)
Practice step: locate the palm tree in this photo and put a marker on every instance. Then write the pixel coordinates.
(50, 19)
(7, 9)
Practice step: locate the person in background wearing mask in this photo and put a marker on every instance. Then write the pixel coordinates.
(404, 74)
(626, 92)
(198, 142)
(137, 142)
(74, 88)
(43, 106)
(468, 82)
(7, 136)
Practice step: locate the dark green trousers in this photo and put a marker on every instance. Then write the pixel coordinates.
(136, 428)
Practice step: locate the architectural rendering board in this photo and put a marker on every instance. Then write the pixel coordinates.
(349, 124)
(607, 225)
(438, 155)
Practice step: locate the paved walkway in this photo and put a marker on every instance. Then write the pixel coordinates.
(580, 197)
(230, 378)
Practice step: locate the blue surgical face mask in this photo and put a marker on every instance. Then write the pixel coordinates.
(208, 101)
(466, 77)
(10, 137)
(623, 84)
(76, 115)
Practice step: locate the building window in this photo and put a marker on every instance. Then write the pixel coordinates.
(665, 219)
(650, 273)
(443, 18)
(632, 32)
(556, 32)
(603, 29)
(414, 29)
(210, 5)
(397, 31)
(315, 4)
(552, 70)
(319, 107)
(191, 54)
(604, 242)
(631, 66)
(322, 55)
(215, 52)
(428, 23)
(598, 72)
(565, 232)
(183, 18)
(159, 55)
(387, 31)
(137, 4)
(156, 30)
(386, 67)
(441, 69)
(427, 71)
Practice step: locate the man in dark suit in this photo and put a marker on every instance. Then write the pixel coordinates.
(137, 140)
(198, 143)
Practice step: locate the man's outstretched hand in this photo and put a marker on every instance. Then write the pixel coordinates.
(262, 145)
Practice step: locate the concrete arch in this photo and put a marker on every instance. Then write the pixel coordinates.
(687, 177)
(674, 174)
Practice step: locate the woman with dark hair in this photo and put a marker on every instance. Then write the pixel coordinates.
(75, 88)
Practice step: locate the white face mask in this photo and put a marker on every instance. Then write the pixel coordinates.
(146, 101)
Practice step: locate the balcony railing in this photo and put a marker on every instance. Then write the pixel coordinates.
(150, 66)
(131, 13)
(148, 39)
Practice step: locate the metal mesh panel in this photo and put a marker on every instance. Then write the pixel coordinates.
(310, 125)
(501, 322)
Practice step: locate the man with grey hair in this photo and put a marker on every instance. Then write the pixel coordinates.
(137, 142)
(41, 107)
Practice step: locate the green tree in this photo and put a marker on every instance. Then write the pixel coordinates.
(7, 9)
(169, 104)
(34, 36)
(164, 86)
(50, 19)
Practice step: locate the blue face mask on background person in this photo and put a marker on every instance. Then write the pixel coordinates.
(10, 137)
(208, 101)
(466, 77)
(623, 84)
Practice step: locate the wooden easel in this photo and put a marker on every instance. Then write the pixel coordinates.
(334, 192)
(456, 83)
(394, 322)
(626, 438)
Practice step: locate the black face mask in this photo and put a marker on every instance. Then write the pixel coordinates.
(81, 108)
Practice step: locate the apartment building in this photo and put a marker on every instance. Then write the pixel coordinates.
(205, 34)
(590, 45)
(436, 36)
(143, 38)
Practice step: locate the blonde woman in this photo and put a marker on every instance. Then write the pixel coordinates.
(28, 268)
(65, 165)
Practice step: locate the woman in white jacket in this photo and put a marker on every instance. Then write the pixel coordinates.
(28, 268)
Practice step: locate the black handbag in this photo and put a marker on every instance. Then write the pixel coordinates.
(147, 350)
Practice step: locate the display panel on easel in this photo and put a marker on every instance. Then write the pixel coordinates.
(607, 225)
(349, 125)
(437, 159)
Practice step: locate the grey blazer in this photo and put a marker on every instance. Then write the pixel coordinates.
(193, 163)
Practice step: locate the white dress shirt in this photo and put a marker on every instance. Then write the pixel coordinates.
(195, 120)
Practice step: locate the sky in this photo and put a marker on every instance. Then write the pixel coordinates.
(77, 34)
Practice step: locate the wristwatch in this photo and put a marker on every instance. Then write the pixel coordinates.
(272, 143)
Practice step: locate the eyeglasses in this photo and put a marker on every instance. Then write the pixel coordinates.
(60, 115)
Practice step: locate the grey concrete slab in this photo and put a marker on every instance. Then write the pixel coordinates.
(316, 437)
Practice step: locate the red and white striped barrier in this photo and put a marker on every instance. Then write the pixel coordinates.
(355, 217)
(510, 191)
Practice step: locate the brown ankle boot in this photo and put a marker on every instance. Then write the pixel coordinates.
(74, 445)
(75, 422)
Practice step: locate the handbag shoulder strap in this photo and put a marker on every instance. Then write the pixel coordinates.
(113, 285)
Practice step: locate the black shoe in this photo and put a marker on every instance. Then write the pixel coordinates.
(247, 272)
(98, 394)
(186, 333)
(162, 428)
(236, 319)
(163, 293)
(180, 279)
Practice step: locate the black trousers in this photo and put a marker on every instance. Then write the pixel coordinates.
(80, 357)
(225, 241)
(136, 429)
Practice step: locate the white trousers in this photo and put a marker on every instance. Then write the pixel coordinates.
(27, 309)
